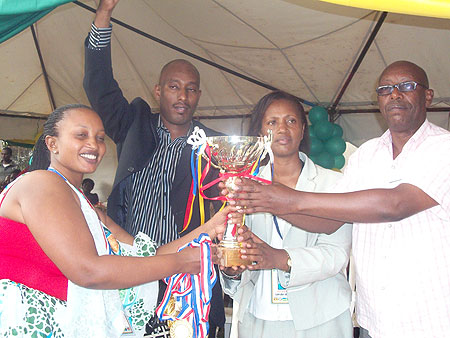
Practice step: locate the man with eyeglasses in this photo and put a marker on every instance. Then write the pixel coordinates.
(396, 192)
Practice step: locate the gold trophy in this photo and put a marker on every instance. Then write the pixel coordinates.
(234, 156)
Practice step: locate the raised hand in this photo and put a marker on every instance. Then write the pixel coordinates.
(104, 12)
(263, 256)
(107, 5)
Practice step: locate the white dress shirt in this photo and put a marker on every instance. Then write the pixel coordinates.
(403, 268)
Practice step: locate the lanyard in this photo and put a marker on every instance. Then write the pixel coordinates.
(275, 220)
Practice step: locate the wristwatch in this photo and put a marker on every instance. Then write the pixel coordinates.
(289, 262)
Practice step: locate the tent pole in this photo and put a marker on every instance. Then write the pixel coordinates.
(44, 71)
(192, 55)
(24, 117)
(360, 58)
(341, 112)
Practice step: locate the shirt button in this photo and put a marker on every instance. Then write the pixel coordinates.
(130, 169)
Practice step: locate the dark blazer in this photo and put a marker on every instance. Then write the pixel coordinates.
(132, 127)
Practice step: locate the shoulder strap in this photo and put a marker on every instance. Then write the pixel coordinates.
(7, 188)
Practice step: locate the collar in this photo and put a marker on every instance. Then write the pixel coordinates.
(160, 127)
(386, 138)
(307, 175)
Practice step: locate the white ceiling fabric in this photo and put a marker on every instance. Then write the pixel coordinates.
(306, 48)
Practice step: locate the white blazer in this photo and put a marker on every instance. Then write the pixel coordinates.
(317, 287)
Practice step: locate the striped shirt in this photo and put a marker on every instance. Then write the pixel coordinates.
(403, 268)
(147, 196)
(148, 191)
(99, 37)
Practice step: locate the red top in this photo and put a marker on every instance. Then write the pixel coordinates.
(23, 261)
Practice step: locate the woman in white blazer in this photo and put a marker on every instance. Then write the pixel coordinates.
(296, 286)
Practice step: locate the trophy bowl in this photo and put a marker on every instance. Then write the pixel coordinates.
(235, 157)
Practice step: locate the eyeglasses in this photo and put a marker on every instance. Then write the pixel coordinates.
(407, 86)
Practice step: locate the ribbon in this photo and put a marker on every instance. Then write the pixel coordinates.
(249, 173)
(194, 292)
(197, 138)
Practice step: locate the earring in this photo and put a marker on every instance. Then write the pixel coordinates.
(54, 152)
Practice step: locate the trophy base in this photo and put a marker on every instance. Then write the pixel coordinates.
(230, 254)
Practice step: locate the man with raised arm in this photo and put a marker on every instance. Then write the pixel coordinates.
(153, 178)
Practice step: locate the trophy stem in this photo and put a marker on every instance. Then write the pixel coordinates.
(229, 247)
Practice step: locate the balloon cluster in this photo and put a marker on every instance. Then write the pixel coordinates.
(327, 144)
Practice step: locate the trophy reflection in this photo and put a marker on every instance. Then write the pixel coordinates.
(234, 156)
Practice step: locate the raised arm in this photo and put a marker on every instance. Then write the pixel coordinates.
(102, 90)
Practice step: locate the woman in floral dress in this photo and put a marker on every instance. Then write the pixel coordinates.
(67, 269)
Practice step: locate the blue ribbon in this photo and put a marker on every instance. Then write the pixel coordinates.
(275, 220)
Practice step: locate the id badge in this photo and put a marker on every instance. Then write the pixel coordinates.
(279, 293)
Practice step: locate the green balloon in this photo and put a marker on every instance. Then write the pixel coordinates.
(323, 130)
(339, 161)
(316, 145)
(311, 131)
(325, 160)
(317, 114)
(335, 146)
(337, 130)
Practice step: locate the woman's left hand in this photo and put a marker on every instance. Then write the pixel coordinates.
(263, 256)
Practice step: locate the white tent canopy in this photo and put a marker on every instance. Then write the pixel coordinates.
(307, 48)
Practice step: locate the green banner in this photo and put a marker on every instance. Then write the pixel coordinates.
(16, 15)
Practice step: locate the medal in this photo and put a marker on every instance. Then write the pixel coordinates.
(186, 302)
(181, 329)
